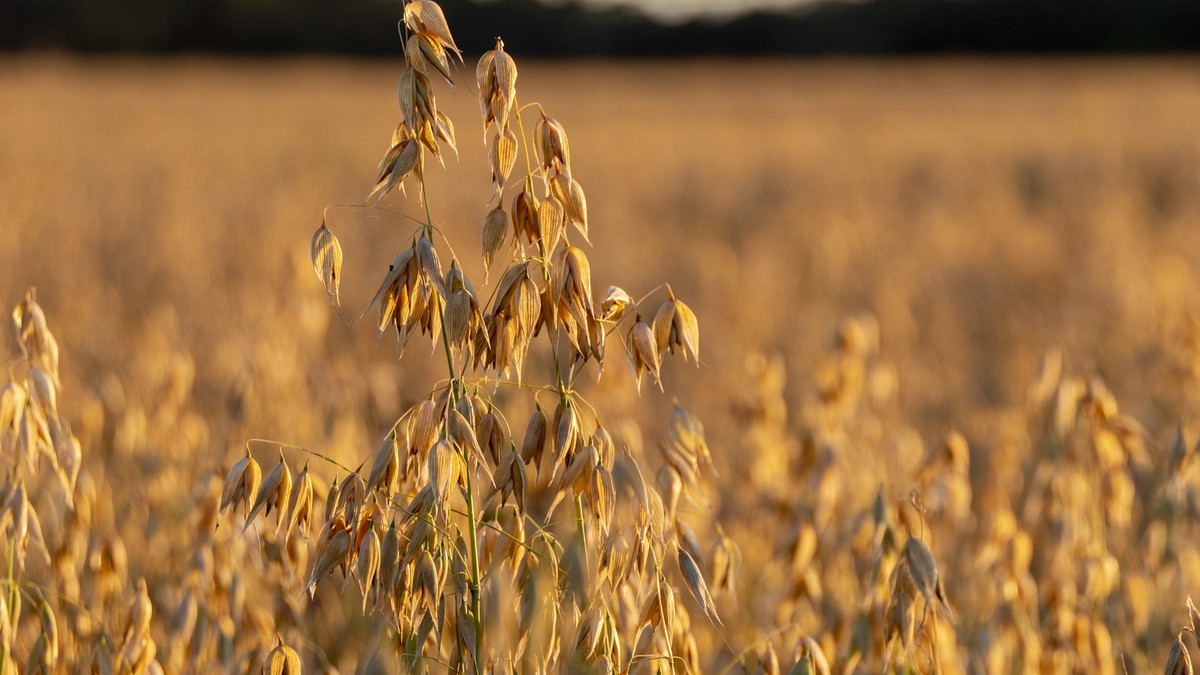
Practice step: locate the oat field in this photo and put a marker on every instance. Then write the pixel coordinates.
(948, 342)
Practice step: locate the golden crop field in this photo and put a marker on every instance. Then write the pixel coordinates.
(949, 382)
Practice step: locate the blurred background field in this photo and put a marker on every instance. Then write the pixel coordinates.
(976, 213)
(984, 211)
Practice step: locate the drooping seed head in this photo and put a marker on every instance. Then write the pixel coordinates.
(327, 261)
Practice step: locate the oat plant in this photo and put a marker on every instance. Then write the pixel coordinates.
(492, 543)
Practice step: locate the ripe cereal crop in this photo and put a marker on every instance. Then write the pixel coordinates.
(313, 383)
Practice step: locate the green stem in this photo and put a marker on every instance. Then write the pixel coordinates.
(580, 524)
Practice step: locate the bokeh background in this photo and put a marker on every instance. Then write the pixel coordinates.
(951, 190)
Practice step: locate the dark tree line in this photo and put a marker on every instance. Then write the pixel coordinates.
(367, 27)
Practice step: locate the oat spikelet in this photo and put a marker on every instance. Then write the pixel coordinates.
(922, 569)
(299, 504)
(534, 445)
(1179, 661)
(552, 145)
(675, 327)
(385, 466)
(495, 230)
(368, 562)
(283, 660)
(810, 658)
(496, 77)
(140, 612)
(425, 17)
(697, 586)
(398, 162)
(643, 356)
(503, 156)
(614, 304)
(423, 51)
(49, 633)
(332, 552)
(725, 563)
(37, 343)
(241, 483)
(272, 493)
(327, 261)
(568, 191)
